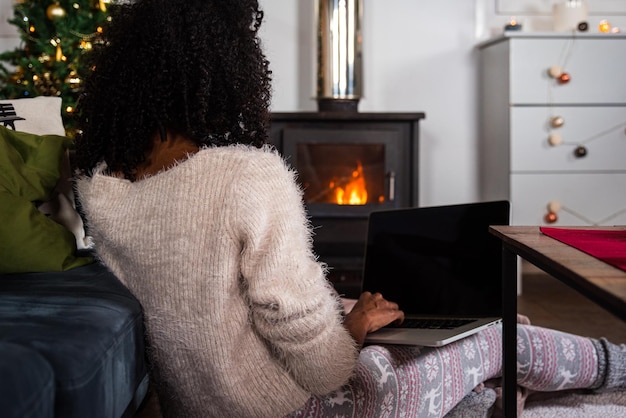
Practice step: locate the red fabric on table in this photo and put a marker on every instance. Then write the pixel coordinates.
(606, 245)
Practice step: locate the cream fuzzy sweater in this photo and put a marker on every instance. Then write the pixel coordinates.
(240, 319)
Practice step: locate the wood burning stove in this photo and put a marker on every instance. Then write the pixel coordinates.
(349, 164)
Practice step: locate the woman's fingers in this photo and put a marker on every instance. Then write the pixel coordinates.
(370, 313)
(384, 312)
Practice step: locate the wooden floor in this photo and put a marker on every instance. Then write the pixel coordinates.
(548, 303)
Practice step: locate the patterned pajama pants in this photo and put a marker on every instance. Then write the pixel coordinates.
(405, 381)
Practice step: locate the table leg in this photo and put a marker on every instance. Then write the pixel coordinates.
(509, 333)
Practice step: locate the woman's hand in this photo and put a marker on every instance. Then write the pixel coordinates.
(370, 313)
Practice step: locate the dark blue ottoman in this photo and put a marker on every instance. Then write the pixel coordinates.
(26, 383)
(89, 329)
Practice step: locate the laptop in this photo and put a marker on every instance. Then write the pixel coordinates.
(438, 263)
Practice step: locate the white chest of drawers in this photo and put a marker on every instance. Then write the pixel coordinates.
(556, 150)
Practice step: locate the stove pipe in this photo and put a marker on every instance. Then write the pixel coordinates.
(339, 55)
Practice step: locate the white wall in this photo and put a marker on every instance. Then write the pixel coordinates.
(8, 34)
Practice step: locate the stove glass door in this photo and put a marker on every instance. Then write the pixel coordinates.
(350, 171)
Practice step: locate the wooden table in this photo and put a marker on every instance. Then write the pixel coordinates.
(595, 279)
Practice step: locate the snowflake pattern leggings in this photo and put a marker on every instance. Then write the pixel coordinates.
(420, 381)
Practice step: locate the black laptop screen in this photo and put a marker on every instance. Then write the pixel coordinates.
(437, 260)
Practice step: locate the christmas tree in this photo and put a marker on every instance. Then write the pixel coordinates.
(56, 36)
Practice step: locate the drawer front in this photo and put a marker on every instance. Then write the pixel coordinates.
(585, 199)
(600, 130)
(596, 66)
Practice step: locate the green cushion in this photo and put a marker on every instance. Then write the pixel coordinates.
(30, 168)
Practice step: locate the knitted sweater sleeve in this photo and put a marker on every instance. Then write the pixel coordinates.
(293, 307)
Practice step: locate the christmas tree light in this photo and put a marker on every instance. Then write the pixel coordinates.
(55, 37)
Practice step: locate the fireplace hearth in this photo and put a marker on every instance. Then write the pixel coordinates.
(349, 164)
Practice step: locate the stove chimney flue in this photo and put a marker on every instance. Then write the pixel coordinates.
(339, 55)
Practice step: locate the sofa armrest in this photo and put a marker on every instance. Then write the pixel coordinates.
(89, 328)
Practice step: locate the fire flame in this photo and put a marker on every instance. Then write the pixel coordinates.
(354, 192)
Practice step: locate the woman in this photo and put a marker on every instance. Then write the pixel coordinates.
(205, 224)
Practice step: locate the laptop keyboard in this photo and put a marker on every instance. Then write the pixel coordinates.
(434, 323)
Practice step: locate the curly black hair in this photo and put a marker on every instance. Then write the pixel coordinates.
(191, 67)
